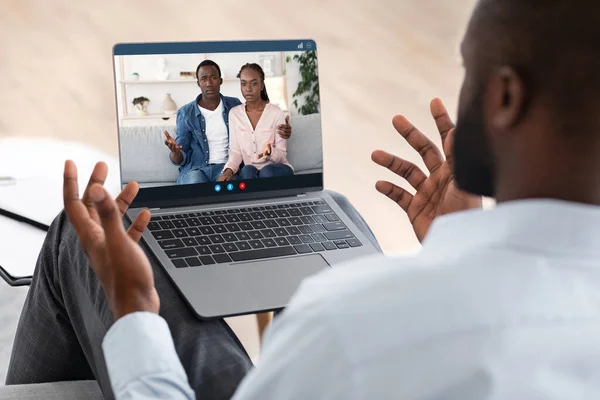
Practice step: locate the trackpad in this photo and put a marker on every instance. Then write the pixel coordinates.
(273, 282)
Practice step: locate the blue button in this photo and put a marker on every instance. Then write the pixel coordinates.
(230, 187)
(217, 188)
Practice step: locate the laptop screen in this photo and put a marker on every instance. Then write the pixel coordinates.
(227, 119)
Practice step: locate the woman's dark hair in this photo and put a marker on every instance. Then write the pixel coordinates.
(255, 67)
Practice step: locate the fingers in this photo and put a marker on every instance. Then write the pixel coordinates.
(168, 136)
(98, 176)
(76, 211)
(139, 224)
(427, 149)
(442, 120)
(126, 196)
(110, 216)
(401, 167)
(395, 193)
(449, 148)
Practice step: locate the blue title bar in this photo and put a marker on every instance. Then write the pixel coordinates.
(126, 49)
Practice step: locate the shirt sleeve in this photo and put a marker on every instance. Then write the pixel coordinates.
(183, 138)
(235, 153)
(141, 359)
(302, 358)
(279, 148)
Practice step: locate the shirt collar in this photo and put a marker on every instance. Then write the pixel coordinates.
(546, 225)
(198, 103)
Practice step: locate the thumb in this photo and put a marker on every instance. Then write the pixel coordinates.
(167, 135)
(287, 119)
(108, 211)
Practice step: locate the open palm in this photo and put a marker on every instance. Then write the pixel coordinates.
(436, 194)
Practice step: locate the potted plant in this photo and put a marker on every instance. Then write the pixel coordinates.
(308, 87)
(141, 105)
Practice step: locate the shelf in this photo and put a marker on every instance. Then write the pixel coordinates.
(149, 116)
(131, 81)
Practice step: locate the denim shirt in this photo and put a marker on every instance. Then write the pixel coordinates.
(191, 133)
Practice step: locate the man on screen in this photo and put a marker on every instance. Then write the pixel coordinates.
(201, 146)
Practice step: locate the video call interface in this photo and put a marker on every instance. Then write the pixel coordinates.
(220, 119)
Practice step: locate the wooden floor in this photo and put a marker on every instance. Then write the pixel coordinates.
(377, 58)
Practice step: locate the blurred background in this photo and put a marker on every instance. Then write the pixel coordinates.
(377, 58)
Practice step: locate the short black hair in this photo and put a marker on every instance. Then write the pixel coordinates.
(554, 45)
(208, 63)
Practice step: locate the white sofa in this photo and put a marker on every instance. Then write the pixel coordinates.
(145, 158)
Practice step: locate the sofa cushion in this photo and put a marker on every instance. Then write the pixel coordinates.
(68, 390)
(305, 146)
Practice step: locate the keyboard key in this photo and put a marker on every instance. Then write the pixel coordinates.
(334, 226)
(294, 230)
(179, 216)
(203, 250)
(307, 220)
(161, 235)
(303, 248)
(295, 221)
(179, 253)
(280, 231)
(263, 253)
(283, 222)
(232, 218)
(219, 219)
(235, 211)
(271, 207)
(170, 216)
(319, 237)
(319, 202)
(245, 226)
(322, 209)
(180, 233)
(270, 214)
(268, 233)
(206, 221)
(294, 240)
(154, 226)
(306, 203)
(329, 245)
(232, 227)
(230, 237)
(296, 205)
(222, 258)
(171, 244)
(318, 228)
(220, 212)
(189, 242)
(345, 234)
(166, 225)
(282, 213)
(216, 239)
(305, 229)
(341, 244)
(206, 260)
(256, 235)
(255, 244)
(203, 240)
(319, 219)
(216, 248)
(207, 230)
(193, 231)
(242, 236)
(205, 213)
(306, 211)
(245, 217)
(306, 238)
(156, 218)
(230, 247)
(193, 261)
(269, 223)
(332, 217)
(269, 243)
(257, 215)
(281, 241)
(243, 245)
(220, 229)
(246, 210)
(179, 263)
(258, 225)
(354, 242)
(193, 221)
(317, 247)
(179, 223)
(294, 212)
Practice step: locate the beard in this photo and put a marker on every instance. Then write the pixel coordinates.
(474, 166)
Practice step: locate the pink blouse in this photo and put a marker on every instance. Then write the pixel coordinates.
(246, 143)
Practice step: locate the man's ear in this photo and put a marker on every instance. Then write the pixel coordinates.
(506, 98)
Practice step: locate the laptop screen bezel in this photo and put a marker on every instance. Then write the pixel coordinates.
(187, 195)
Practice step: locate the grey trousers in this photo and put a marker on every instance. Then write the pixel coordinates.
(66, 315)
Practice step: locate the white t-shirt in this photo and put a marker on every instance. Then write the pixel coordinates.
(216, 134)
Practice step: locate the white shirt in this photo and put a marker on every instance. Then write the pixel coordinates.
(216, 134)
(498, 304)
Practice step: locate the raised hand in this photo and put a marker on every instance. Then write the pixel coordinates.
(285, 130)
(436, 194)
(119, 262)
(172, 144)
(266, 151)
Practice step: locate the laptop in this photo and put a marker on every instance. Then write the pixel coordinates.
(243, 245)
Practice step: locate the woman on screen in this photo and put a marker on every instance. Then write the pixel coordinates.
(253, 139)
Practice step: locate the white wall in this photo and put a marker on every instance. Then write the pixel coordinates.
(282, 85)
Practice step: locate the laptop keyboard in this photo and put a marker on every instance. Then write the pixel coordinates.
(251, 233)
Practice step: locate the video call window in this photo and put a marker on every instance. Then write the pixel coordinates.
(202, 118)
